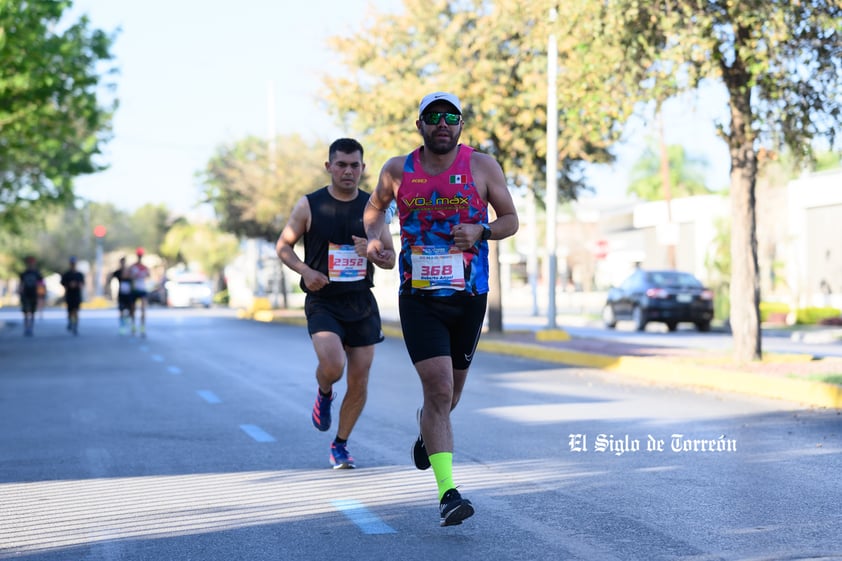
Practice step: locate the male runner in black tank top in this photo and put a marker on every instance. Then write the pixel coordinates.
(342, 315)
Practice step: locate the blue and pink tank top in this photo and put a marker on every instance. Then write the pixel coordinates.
(429, 207)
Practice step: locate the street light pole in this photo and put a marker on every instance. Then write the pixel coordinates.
(552, 168)
(99, 233)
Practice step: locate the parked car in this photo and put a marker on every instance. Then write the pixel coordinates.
(187, 290)
(670, 297)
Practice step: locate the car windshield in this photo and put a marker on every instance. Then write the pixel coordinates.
(673, 279)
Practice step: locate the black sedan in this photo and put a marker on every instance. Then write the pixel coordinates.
(671, 297)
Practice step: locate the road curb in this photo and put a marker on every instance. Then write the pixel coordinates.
(666, 372)
(654, 370)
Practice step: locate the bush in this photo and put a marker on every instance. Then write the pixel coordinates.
(814, 315)
(771, 309)
(721, 303)
(221, 297)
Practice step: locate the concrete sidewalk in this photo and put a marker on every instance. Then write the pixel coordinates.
(785, 377)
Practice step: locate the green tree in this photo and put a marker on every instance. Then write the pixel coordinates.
(55, 233)
(200, 244)
(252, 185)
(52, 123)
(718, 263)
(778, 62)
(150, 224)
(686, 175)
(827, 160)
(494, 56)
(52, 234)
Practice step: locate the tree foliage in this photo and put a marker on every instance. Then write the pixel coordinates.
(827, 160)
(202, 245)
(149, 225)
(252, 184)
(494, 57)
(779, 63)
(52, 123)
(718, 263)
(686, 175)
(56, 233)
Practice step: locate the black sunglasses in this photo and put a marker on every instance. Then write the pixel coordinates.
(434, 118)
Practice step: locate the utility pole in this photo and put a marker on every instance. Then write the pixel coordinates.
(552, 168)
(532, 257)
(270, 156)
(99, 234)
(279, 286)
(666, 183)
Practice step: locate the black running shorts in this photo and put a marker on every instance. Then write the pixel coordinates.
(354, 316)
(125, 301)
(442, 326)
(73, 303)
(139, 294)
(29, 304)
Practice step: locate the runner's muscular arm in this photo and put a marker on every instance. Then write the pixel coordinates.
(387, 257)
(298, 223)
(492, 186)
(379, 240)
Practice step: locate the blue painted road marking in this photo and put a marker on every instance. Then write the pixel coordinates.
(257, 433)
(366, 520)
(209, 396)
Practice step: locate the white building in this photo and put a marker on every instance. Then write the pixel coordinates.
(814, 243)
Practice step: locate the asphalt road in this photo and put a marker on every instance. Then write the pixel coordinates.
(196, 443)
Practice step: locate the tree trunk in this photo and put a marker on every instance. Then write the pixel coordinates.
(495, 289)
(745, 273)
(745, 276)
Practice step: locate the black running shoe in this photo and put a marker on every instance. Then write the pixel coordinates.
(453, 509)
(419, 451)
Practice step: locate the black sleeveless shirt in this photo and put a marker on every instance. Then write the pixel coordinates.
(334, 221)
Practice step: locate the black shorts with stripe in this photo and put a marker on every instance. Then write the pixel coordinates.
(354, 316)
(442, 326)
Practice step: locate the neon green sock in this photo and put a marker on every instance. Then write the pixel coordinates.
(442, 463)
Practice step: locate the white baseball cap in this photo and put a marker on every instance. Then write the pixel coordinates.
(429, 99)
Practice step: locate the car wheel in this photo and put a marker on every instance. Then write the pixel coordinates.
(639, 318)
(672, 325)
(703, 326)
(608, 317)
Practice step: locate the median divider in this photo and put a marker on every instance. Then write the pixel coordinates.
(661, 370)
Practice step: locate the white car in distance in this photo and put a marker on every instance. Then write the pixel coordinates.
(186, 290)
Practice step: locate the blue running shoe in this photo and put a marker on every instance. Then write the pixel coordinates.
(340, 458)
(453, 509)
(321, 411)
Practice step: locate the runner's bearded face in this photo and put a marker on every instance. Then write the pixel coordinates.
(441, 137)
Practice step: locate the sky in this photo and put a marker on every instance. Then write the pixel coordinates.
(197, 74)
